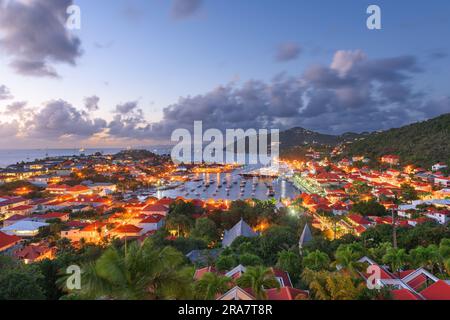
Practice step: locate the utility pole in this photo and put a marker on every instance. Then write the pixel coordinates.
(394, 230)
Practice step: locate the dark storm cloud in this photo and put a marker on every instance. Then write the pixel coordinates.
(182, 9)
(34, 36)
(58, 119)
(287, 51)
(353, 93)
(91, 103)
(5, 94)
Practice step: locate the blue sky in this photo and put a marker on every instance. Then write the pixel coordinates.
(138, 51)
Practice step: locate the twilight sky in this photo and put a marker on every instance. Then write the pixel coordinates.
(138, 69)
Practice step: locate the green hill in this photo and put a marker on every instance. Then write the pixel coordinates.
(423, 143)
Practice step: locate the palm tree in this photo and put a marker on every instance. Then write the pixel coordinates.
(316, 260)
(139, 272)
(211, 285)
(396, 258)
(325, 285)
(447, 266)
(444, 249)
(384, 293)
(181, 223)
(316, 282)
(347, 258)
(426, 257)
(258, 279)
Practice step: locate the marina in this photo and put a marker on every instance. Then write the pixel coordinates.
(232, 186)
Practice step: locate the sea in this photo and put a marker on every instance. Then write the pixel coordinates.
(231, 186)
(11, 157)
(205, 187)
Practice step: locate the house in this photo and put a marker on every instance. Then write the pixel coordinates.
(305, 238)
(236, 293)
(390, 159)
(199, 273)
(440, 181)
(7, 203)
(151, 223)
(23, 210)
(236, 272)
(63, 216)
(13, 219)
(442, 194)
(156, 209)
(281, 276)
(359, 223)
(339, 208)
(241, 229)
(78, 190)
(416, 284)
(68, 190)
(92, 233)
(203, 256)
(103, 189)
(24, 228)
(285, 293)
(127, 231)
(35, 252)
(438, 166)
(8, 242)
(440, 290)
(442, 216)
(57, 189)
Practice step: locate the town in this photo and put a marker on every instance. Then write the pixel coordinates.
(106, 211)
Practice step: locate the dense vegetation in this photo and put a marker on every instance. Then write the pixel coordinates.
(158, 268)
(423, 143)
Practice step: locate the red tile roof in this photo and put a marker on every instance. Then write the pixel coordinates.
(21, 208)
(32, 252)
(94, 226)
(78, 188)
(128, 228)
(166, 201)
(283, 275)
(199, 273)
(154, 218)
(404, 294)
(358, 219)
(76, 224)
(285, 293)
(16, 217)
(155, 208)
(439, 290)
(52, 215)
(7, 241)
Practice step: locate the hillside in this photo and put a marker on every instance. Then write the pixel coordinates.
(292, 140)
(423, 143)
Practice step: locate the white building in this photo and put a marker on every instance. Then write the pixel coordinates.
(439, 166)
(24, 228)
(440, 216)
